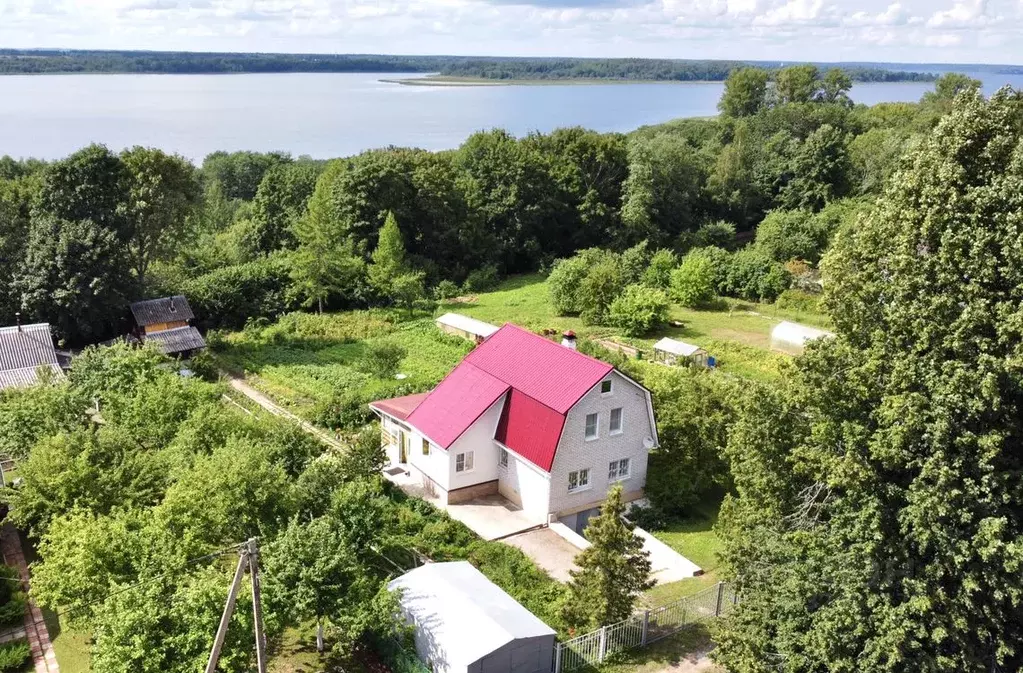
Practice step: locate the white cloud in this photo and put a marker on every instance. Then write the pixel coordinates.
(962, 14)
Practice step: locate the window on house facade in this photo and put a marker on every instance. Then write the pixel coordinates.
(618, 470)
(591, 425)
(504, 458)
(578, 480)
(463, 462)
(605, 387)
(616, 421)
(426, 446)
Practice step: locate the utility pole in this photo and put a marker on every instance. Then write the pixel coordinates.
(248, 557)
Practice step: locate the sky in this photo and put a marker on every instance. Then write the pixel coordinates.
(911, 31)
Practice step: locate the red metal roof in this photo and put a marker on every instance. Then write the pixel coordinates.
(400, 407)
(530, 429)
(456, 403)
(546, 371)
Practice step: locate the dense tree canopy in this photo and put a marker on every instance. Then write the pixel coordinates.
(877, 524)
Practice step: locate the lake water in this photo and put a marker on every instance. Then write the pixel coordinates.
(330, 115)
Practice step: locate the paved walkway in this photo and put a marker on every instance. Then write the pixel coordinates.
(35, 628)
(239, 384)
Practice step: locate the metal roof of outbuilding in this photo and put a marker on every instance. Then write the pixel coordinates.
(165, 309)
(795, 333)
(465, 614)
(177, 340)
(23, 349)
(467, 324)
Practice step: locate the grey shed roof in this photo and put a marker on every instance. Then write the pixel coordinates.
(467, 615)
(167, 309)
(22, 351)
(177, 340)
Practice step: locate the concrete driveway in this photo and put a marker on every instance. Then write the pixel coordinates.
(493, 517)
(549, 550)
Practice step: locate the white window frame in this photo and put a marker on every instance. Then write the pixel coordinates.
(581, 478)
(467, 460)
(503, 460)
(610, 388)
(614, 470)
(596, 427)
(621, 422)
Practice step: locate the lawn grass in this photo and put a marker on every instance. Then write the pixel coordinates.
(686, 646)
(297, 653)
(70, 646)
(695, 539)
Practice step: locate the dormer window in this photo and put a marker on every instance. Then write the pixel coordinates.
(605, 387)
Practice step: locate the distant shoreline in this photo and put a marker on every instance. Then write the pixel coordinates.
(455, 81)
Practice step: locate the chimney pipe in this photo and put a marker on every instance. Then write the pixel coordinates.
(568, 340)
(172, 305)
(17, 320)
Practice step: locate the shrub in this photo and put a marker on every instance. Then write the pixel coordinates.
(382, 359)
(230, 296)
(798, 300)
(12, 601)
(792, 234)
(753, 274)
(482, 279)
(658, 271)
(13, 656)
(639, 309)
(692, 283)
(446, 289)
(720, 234)
(603, 283)
(513, 571)
(564, 283)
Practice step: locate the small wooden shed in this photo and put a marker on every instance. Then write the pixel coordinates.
(465, 327)
(671, 352)
(791, 337)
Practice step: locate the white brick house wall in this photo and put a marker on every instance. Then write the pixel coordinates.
(576, 453)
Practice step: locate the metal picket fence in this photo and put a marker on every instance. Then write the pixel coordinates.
(643, 628)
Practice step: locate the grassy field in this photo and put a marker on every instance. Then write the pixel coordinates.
(695, 539)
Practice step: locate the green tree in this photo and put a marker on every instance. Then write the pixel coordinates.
(820, 170)
(612, 572)
(877, 524)
(239, 174)
(792, 234)
(388, 259)
(279, 203)
(599, 288)
(566, 278)
(752, 274)
(692, 283)
(745, 92)
(26, 416)
(835, 86)
(75, 277)
(91, 184)
(797, 83)
(163, 192)
(639, 309)
(15, 218)
(658, 271)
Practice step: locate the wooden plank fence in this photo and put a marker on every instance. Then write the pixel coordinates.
(643, 628)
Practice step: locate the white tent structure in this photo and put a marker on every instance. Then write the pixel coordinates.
(465, 327)
(464, 623)
(669, 352)
(791, 337)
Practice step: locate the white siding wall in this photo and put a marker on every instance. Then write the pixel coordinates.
(479, 439)
(575, 453)
(526, 485)
(434, 466)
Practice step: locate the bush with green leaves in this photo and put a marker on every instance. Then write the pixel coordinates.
(564, 282)
(639, 309)
(232, 295)
(482, 279)
(12, 600)
(792, 234)
(446, 289)
(382, 359)
(692, 283)
(658, 270)
(755, 275)
(13, 656)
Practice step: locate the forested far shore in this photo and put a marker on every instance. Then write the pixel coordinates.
(18, 61)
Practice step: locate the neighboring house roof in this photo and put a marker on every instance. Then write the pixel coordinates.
(23, 350)
(464, 615)
(676, 347)
(455, 404)
(166, 309)
(794, 333)
(400, 407)
(177, 340)
(546, 380)
(467, 324)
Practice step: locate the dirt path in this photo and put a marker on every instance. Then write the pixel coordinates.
(694, 662)
(237, 383)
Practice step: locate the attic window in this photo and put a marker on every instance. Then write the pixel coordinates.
(605, 387)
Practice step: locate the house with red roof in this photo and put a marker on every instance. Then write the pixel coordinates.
(537, 422)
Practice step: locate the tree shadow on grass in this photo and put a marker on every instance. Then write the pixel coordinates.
(688, 645)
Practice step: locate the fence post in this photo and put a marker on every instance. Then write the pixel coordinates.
(646, 625)
(717, 606)
(557, 657)
(603, 644)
